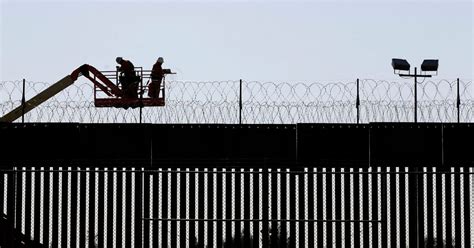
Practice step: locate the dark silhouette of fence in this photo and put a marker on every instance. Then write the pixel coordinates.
(234, 207)
(314, 185)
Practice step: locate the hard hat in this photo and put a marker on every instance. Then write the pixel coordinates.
(160, 60)
(119, 59)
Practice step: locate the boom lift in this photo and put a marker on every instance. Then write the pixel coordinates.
(106, 92)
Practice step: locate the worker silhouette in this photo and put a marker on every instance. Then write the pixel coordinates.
(127, 78)
(156, 78)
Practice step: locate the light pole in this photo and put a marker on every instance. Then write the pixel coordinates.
(415, 195)
(428, 65)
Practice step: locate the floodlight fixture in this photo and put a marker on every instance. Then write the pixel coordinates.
(429, 65)
(400, 64)
(403, 65)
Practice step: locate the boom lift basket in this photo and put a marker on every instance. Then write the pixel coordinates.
(139, 89)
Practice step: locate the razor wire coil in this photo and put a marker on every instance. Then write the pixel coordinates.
(262, 102)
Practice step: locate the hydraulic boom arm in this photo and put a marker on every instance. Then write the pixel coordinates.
(104, 84)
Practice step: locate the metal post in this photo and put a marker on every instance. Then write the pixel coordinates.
(358, 102)
(164, 89)
(23, 103)
(95, 91)
(413, 227)
(117, 79)
(140, 88)
(140, 114)
(458, 98)
(416, 99)
(240, 102)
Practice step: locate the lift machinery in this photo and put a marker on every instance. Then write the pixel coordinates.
(108, 91)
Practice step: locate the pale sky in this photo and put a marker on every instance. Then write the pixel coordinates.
(229, 40)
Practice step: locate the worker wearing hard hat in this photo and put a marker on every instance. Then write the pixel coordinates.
(128, 79)
(156, 78)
